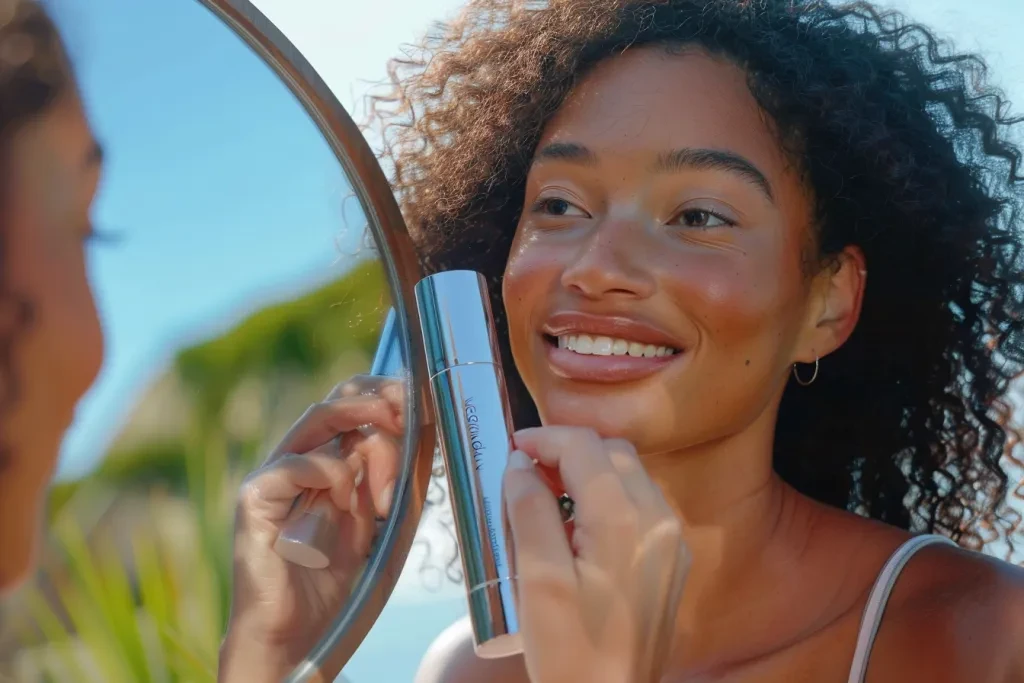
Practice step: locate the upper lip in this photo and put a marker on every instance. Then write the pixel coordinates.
(618, 326)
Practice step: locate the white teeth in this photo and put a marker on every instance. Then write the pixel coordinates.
(602, 346)
(609, 346)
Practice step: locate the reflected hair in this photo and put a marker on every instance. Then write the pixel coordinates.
(909, 153)
(34, 72)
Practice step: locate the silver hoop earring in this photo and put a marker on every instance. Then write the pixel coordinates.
(796, 375)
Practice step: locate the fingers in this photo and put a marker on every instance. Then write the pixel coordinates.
(637, 484)
(543, 560)
(382, 455)
(323, 422)
(390, 389)
(616, 504)
(270, 491)
(585, 468)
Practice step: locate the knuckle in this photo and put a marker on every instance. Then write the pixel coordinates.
(672, 527)
(250, 492)
(314, 412)
(353, 386)
(394, 391)
(337, 470)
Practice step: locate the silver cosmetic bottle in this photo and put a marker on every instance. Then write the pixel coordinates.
(474, 427)
(309, 538)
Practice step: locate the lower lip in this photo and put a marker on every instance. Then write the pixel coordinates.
(605, 369)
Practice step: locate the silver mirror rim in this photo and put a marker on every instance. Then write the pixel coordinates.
(402, 269)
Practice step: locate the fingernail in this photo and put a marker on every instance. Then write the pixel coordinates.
(385, 497)
(356, 463)
(525, 431)
(517, 460)
(367, 430)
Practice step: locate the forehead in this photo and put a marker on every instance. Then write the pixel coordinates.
(649, 100)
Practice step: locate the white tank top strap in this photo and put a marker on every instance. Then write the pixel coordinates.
(880, 592)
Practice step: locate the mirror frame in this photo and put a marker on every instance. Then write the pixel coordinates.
(384, 219)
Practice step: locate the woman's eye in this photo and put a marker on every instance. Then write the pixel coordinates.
(556, 206)
(701, 219)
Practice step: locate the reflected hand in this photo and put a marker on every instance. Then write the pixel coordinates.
(602, 606)
(340, 461)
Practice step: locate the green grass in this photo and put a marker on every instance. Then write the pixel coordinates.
(151, 617)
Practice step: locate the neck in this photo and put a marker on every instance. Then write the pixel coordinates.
(746, 531)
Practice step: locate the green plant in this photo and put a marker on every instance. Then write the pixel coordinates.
(138, 590)
(145, 612)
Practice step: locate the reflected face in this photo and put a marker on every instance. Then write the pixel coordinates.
(655, 289)
(55, 170)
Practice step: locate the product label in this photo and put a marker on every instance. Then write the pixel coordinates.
(476, 444)
(473, 430)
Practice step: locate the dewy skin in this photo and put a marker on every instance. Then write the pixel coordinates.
(474, 427)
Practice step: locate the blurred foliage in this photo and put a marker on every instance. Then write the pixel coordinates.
(137, 585)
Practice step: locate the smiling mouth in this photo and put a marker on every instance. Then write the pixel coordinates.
(594, 345)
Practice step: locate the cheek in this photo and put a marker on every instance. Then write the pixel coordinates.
(530, 275)
(75, 315)
(737, 298)
(49, 270)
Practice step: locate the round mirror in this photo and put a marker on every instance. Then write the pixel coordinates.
(250, 252)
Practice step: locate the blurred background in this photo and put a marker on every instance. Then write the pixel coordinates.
(238, 285)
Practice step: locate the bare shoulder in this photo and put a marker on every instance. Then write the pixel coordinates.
(955, 615)
(451, 659)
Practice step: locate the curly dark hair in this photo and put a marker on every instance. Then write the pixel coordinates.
(909, 155)
(34, 72)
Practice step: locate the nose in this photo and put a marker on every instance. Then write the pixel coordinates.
(610, 263)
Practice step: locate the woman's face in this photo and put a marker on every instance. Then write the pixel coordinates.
(54, 172)
(656, 289)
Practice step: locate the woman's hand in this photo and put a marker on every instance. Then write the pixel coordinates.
(601, 607)
(346, 471)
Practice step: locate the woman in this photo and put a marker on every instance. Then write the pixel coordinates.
(52, 345)
(758, 264)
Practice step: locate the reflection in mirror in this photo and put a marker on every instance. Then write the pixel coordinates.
(238, 285)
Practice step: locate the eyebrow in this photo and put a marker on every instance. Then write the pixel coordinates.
(669, 162)
(567, 151)
(716, 160)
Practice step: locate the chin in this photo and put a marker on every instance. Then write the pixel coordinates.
(634, 416)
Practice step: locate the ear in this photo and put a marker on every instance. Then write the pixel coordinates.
(837, 293)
